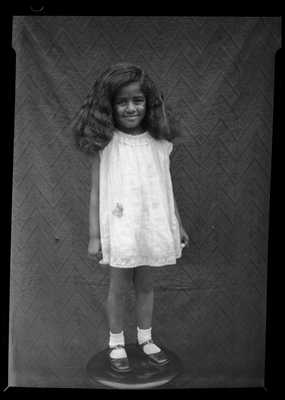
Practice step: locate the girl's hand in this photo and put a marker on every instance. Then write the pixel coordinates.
(94, 249)
(184, 238)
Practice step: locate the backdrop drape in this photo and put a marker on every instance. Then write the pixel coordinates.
(210, 308)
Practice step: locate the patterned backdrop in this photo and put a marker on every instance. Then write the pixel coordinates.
(210, 309)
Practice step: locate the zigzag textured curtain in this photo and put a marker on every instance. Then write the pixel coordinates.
(210, 309)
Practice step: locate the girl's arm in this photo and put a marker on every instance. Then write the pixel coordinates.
(183, 235)
(94, 224)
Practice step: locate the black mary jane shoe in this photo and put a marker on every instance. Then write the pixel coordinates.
(158, 359)
(119, 364)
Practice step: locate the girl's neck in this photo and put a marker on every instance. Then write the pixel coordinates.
(133, 132)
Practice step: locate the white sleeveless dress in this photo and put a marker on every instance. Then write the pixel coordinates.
(138, 225)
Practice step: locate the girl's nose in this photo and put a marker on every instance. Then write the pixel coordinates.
(131, 107)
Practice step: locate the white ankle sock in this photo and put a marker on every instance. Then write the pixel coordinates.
(143, 336)
(115, 339)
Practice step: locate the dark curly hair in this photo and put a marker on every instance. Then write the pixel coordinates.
(94, 125)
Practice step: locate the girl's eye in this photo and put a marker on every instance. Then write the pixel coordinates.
(123, 102)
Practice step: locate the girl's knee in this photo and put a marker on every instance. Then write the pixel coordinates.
(144, 279)
(120, 281)
(144, 287)
(120, 288)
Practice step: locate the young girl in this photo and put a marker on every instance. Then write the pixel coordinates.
(134, 221)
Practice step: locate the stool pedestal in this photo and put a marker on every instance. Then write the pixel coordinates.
(144, 375)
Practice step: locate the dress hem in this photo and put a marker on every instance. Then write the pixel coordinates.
(141, 264)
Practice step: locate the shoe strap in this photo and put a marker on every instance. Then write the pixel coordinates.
(117, 347)
(150, 341)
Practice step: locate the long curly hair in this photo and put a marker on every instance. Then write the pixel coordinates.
(94, 125)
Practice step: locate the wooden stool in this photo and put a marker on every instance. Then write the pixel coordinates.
(144, 375)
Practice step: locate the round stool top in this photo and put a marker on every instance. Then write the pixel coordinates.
(143, 375)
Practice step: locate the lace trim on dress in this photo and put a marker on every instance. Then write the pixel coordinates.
(140, 261)
(142, 139)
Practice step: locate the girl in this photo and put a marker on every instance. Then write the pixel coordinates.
(134, 221)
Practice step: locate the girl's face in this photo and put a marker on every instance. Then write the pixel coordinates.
(129, 109)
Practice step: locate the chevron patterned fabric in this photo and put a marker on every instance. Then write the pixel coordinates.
(210, 308)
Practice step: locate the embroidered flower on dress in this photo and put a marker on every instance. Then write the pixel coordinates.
(118, 211)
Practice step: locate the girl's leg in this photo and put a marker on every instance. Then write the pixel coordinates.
(143, 279)
(120, 283)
